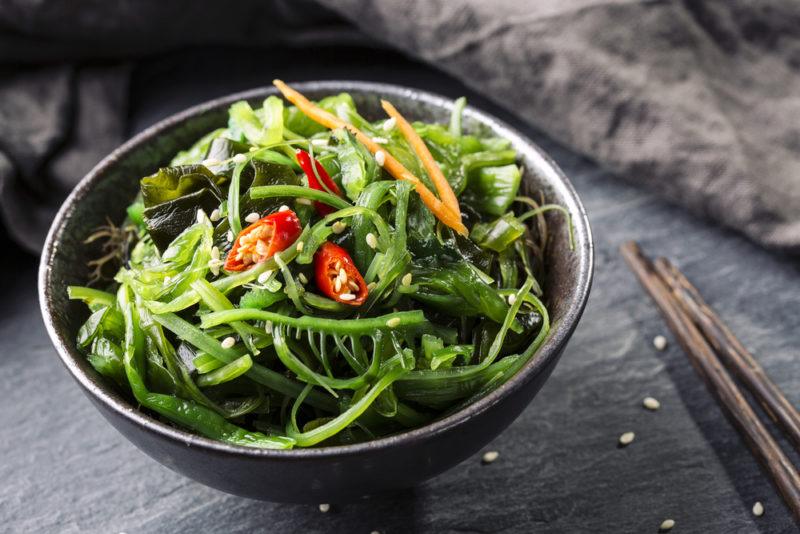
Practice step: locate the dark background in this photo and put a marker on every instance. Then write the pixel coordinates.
(64, 469)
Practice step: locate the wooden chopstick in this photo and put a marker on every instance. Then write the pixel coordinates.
(718, 380)
(735, 356)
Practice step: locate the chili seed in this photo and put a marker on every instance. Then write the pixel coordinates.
(490, 456)
(372, 241)
(667, 525)
(228, 342)
(284, 208)
(337, 285)
(758, 509)
(626, 438)
(347, 296)
(215, 215)
(660, 342)
(252, 217)
(651, 404)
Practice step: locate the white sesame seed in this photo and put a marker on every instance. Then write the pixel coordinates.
(264, 277)
(406, 280)
(229, 236)
(380, 157)
(215, 215)
(324, 508)
(347, 296)
(512, 299)
(626, 438)
(304, 201)
(228, 342)
(302, 278)
(758, 509)
(393, 322)
(239, 158)
(338, 227)
(211, 162)
(284, 208)
(651, 404)
(372, 241)
(319, 142)
(389, 124)
(667, 525)
(201, 216)
(660, 342)
(490, 456)
(300, 245)
(380, 140)
(253, 148)
(252, 217)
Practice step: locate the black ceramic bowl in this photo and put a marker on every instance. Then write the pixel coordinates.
(333, 474)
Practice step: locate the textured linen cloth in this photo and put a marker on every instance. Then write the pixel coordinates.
(698, 100)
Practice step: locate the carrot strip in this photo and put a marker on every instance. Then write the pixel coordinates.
(442, 211)
(442, 185)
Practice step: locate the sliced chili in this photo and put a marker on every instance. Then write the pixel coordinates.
(262, 239)
(305, 160)
(337, 276)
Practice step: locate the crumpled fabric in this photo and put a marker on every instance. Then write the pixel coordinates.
(696, 100)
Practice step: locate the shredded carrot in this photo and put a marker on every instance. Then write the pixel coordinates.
(441, 210)
(442, 185)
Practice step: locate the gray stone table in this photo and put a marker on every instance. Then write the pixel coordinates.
(64, 469)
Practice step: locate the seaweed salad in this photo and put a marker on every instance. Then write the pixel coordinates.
(307, 277)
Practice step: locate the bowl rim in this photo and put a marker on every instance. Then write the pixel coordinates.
(550, 349)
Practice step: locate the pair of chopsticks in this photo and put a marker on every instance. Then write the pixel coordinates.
(716, 353)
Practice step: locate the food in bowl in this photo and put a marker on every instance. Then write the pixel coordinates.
(305, 277)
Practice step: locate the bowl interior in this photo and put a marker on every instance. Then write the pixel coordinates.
(110, 187)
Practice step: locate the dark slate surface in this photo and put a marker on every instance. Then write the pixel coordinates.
(64, 469)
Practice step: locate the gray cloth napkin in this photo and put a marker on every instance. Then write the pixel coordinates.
(697, 100)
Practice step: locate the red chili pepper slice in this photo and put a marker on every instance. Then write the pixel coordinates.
(262, 239)
(305, 161)
(337, 276)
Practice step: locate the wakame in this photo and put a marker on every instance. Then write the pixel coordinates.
(304, 276)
